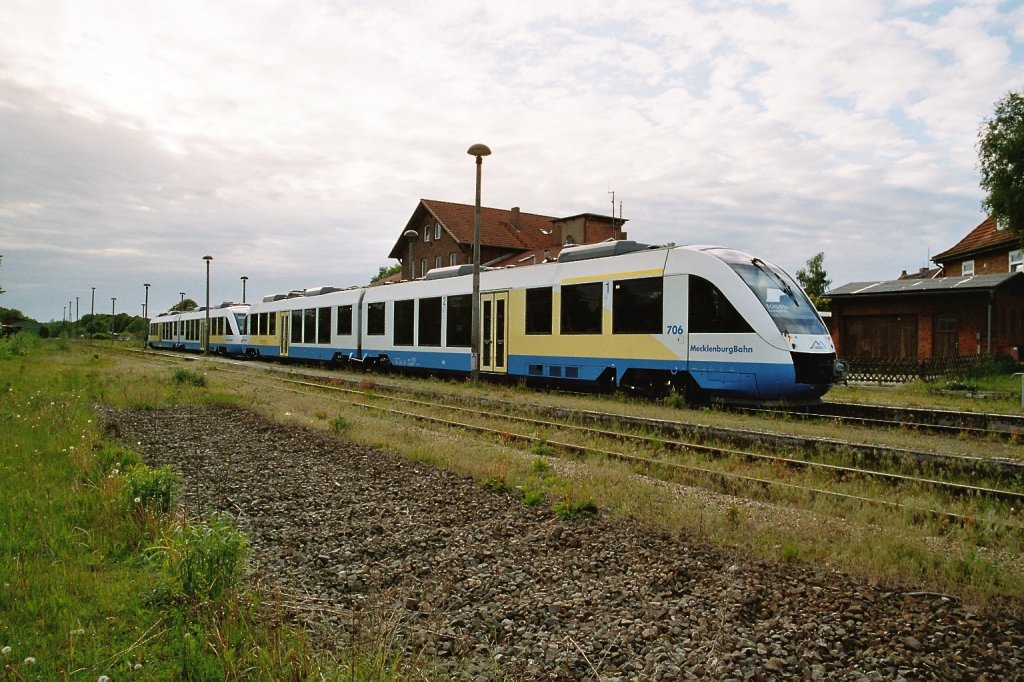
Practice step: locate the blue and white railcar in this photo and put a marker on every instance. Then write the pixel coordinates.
(707, 320)
(319, 324)
(186, 330)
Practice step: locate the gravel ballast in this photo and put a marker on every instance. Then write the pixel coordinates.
(472, 576)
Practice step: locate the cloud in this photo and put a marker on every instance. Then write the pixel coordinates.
(292, 140)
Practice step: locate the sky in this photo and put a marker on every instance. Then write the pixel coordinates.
(292, 140)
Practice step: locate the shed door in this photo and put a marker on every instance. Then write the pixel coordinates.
(945, 344)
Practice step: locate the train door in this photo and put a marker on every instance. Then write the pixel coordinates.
(283, 317)
(494, 332)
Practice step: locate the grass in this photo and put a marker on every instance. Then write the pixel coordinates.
(98, 575)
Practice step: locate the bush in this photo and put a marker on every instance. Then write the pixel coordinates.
(340, 426)
(206, 559)
(187, 376)
(151, 488)
(574, 509)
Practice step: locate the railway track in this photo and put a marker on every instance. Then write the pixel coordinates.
(727, 460)
(975, 424)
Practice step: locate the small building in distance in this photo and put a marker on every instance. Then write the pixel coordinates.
(444, 236)
(972, 303)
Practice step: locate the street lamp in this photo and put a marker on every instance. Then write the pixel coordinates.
(145, 306)
(206, 330)
(113, 300)
(92, 306)
(479, 151)
(182, 294)
(244, 278)
(411, 235)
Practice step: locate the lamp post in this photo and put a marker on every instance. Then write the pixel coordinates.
(145, 306)
(113, 301)
(206, 329)
(479, 151)
(182, 294)
(244, 278)
(92, 306)
(411, 235)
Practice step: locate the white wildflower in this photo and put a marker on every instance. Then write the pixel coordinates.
(137, 666)
(103, 678)
(6, 651)
(138, 500)
(30, 661)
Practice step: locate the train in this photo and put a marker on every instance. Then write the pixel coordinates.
(708, 322)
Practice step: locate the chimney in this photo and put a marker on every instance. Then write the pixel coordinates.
(514, 219)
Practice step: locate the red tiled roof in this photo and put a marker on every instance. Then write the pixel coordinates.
(496, 228)
(982, 238)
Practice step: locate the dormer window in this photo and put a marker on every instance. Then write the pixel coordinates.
(967, 268)
(426, 233)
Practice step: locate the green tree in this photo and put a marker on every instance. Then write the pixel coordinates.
(1001, 162)
(184, 306)
(815, 281)
(386, 271)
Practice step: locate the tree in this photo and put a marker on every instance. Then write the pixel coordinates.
(1001, 162)
(815, 281)
(386, 271)
(184, 306)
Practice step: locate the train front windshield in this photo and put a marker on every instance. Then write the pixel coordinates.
(783, 298)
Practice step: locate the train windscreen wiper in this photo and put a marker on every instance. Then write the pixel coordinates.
(763, 267)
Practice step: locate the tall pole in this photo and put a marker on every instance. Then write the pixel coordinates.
(245, 278)
(411, 235)
(92, 306)
(145, 306)
(206, 330)
(113, 300)
(479, 151)
(76, 309)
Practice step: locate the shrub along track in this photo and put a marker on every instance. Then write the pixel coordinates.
(357, 537)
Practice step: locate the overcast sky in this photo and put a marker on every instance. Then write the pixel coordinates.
(292, 140)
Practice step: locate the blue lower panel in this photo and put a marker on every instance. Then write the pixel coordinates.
(428, 360)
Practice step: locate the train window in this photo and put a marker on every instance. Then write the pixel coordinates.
(636, 306)
(711, 311)
(460, 317)
(296, 335)
(404, 318)
(309, 325)
(538, 310)
(345, 320)
(272, 324)
(323, 325)
(430, 322)
(581, 308)
(375, 319)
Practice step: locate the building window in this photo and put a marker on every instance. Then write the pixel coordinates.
(404, 319)
(345, 320)
(1017, 261)
(538, 310)
(437, 262)
(636, 306)
(426, 233)
(437, 230)
(375, 319)
(711, 311)
(967, 268)
(581, 308)
(423, 267)
(430, 321)
(453, 259)
(460, 315)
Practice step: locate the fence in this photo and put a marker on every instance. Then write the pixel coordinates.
(897, 370)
